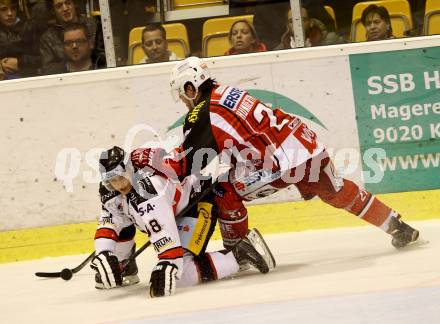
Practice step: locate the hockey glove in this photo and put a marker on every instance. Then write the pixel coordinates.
(107, 266)
(158, 160)
(163, 279)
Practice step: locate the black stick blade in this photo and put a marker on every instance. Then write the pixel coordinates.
(48, 274)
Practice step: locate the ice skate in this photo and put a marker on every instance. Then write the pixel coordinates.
(260, 244)
(246, 252)
(402, 233)
(129, 273)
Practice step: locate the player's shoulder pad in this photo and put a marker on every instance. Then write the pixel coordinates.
(106, 194)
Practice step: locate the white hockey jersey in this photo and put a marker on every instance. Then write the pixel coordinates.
(152, 208)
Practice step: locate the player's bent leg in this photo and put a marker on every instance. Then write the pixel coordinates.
(207, 267)
(125, 248)
(232, 215)
(345, 194)
(212, 266)
(130, 269)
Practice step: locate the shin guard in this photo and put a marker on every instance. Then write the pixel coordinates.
(361, 203)
(232, 216)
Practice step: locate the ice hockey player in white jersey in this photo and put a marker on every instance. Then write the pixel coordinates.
(149, 201)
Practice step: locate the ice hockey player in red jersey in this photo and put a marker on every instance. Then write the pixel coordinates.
(147, 200)
(267, 150)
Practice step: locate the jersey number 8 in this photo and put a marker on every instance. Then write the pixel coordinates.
(155, 227)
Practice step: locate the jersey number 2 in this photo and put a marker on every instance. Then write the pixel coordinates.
(261, 110)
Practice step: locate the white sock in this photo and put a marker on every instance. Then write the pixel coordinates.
(225, 264)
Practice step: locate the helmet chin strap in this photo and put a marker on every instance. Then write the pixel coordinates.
(192, 100)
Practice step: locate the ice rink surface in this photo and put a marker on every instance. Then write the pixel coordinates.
(349, 275)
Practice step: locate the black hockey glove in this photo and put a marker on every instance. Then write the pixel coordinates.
(163, 279)
(107, 266)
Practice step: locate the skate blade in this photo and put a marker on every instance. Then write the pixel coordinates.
(419, 242)
(243, 267)
(260, 244)
(130, 280)
(126, 281)
(415, 244)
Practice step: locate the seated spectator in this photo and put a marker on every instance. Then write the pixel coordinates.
(51, 42)
(377, 23)
(17, 55)
(244, 39)
(269, 20)
(126, 15)
(418, 15)
(77, 49)
(316, 9)
(315, 32)
(155, 45)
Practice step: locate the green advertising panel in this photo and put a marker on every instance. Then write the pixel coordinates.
(397, 101)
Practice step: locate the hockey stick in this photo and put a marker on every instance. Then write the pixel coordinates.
(67, 274)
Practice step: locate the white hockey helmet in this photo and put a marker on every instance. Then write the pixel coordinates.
(191, 70)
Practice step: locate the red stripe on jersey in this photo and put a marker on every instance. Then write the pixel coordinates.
(232, 120)
(306, 137)
(232, 124)
(199, 275)
(125, 240)
(221, 138)
(223, 129)
(211, 263)
(257, 122)
(260, 135)
(106, 233)
(173, 253)
(177, 196)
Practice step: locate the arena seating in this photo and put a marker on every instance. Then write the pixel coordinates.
(190, 4)
(431, 25)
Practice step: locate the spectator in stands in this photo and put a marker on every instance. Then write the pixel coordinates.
(244, 39)
(17, 57)
(316, 9)
(78, 48)
(268, 17)
(126, 15)
(269, 21)
(51, 42)
(315, 32)
(377, 23)
(418, 15)
(155, 45)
